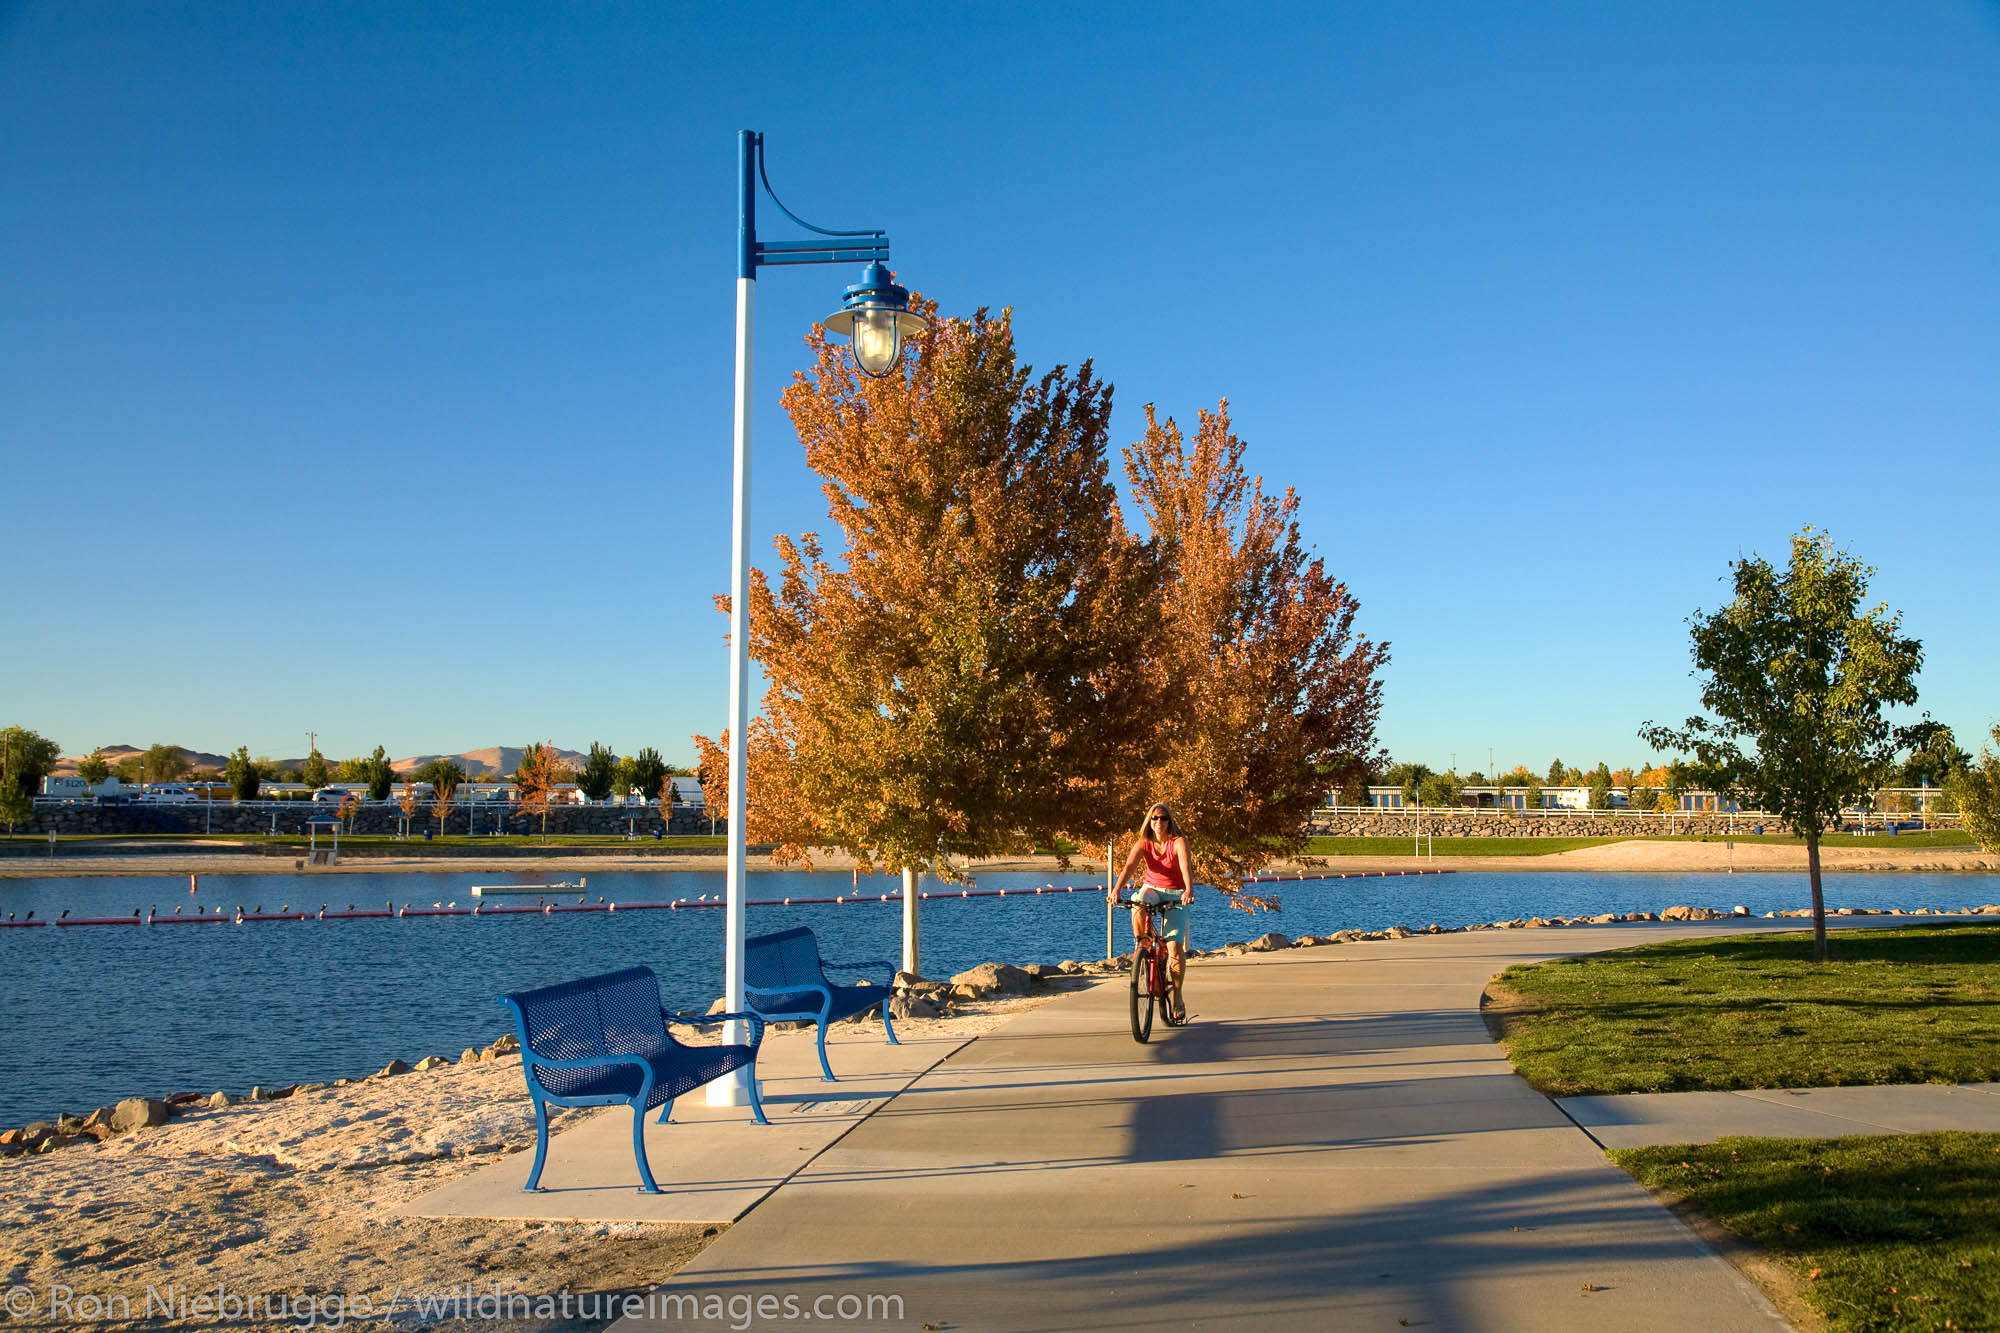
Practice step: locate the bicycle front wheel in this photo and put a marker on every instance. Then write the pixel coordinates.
(1142, 998)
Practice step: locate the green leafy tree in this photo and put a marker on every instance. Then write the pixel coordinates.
(599, 774)
(1558, 774)
(1408, 777)
(1600, 787)
(241, 774)
(440, 773)
(25, 759)
(1531, 799)
(1438, 790)
(93, 768)
(377, 773)
(643, 772)
(314, 773)
(1934, 757)
(165, 763)
(1795, 675)
(1976, 791)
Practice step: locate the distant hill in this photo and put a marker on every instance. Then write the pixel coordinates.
(501, 759)
(114, 753)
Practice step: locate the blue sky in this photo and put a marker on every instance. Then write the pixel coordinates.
(365, 368)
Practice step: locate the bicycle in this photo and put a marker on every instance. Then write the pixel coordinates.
(1150, 982)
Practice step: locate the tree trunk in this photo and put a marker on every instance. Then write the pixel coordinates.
(1818, 899)
(909, 919)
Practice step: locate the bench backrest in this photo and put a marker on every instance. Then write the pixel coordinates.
(614, 1014)
(784, 958)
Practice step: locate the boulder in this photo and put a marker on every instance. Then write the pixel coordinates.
(912, 1006)
(101, 1116)
(993, 979)
(220, 1099)
(1399, 932)
(1273, 941)
(1685, 913)
(509, 1044)
(1069, 967)
(11, 1140)
(430, 1062)
(911, 981)
(469, 1056)
(137, 1113)
(389, 1070)
(68, 1124)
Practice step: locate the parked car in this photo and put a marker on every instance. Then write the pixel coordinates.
(169, 793)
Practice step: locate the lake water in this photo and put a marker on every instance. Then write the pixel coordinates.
(89, 1015)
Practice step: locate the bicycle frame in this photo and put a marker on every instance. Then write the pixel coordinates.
(1150, 983)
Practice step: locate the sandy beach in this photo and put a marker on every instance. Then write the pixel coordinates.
(1639, 855)
(293, 1199)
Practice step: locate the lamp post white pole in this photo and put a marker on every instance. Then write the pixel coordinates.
(734, 1088)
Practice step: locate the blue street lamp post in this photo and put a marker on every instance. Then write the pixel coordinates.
(876, 314)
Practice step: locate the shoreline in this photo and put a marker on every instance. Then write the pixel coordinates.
(1638, 856)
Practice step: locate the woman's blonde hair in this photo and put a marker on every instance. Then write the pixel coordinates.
(1146, 822)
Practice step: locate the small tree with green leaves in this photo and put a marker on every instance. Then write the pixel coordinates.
(1795, 675)
(25, 759)
(164, 763)
(93, 768)
(647, 771)
(599, 774)
(314, 772)
(1557, 773)
(1976, 791)
(241, 774)
(1600, 787)
(1438, 790)
(376, 772)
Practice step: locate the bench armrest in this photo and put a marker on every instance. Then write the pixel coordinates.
(808, 987)
(755, 1021)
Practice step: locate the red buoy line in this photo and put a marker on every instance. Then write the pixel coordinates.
(388, 910)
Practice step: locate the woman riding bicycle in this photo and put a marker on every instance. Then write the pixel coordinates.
(1168, 877)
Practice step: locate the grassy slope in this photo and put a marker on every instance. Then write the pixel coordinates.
(1911, 1005)
(1883, 1232)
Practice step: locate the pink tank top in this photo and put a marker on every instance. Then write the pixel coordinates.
(1162, 869)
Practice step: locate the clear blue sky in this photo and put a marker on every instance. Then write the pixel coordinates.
(365, 368)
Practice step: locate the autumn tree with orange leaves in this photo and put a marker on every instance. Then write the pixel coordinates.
(1267, 696)
(966, 674)
(539, 774)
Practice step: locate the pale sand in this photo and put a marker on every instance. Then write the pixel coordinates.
(1635, 855)
(293, 1198)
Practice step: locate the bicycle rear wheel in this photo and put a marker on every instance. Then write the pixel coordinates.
(1142, 998)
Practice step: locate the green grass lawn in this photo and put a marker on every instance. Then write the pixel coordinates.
(1890, 1232)
(1910, 1005)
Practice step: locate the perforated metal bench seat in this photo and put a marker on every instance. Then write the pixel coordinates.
(784, 980)
(603, 1041)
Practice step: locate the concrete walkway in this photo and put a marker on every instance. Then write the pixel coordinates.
(1334, 1143)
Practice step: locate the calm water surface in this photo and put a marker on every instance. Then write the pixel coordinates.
(93, 1014)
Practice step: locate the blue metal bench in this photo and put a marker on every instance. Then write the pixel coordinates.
(603, 1041)
(784, 980)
